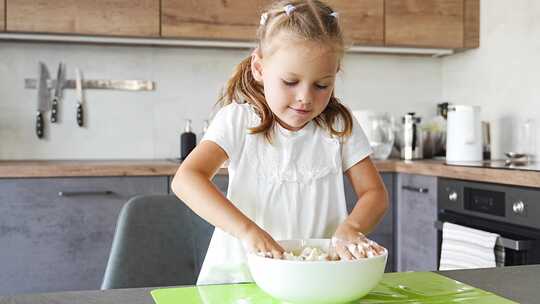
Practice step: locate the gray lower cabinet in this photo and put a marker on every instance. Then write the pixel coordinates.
(416, 212)
(222, 182)
(56, 233)
(384, 232)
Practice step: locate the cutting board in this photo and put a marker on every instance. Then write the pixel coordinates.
(399, 287)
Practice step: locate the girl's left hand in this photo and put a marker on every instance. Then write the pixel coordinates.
(351, 244)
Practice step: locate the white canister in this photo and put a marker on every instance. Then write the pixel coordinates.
(464, 134)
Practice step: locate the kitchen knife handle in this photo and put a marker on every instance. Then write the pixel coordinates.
(39, 125)
(54, 110)
(80, 115)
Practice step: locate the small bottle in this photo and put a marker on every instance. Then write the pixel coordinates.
(188, 140)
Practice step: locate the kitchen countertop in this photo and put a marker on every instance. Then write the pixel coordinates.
(159, 167)
(517, 283)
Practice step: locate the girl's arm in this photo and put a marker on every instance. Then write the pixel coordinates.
(192, 184)
(370, 207)
(372, 200)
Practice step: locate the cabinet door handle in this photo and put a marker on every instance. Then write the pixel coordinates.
(84, 193)
(415, 189)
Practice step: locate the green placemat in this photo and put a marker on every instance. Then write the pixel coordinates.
(404, 287)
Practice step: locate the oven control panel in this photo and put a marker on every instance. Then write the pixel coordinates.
(511, 204)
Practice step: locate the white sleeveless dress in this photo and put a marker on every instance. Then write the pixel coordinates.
(292, 188)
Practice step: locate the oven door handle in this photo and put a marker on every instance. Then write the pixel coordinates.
(507, 243)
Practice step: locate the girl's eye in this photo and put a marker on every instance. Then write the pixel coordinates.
(320, 86)
(289, 83)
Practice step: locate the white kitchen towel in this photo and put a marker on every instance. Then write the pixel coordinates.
(464, 247)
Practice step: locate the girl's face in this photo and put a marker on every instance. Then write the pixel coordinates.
(298, 80)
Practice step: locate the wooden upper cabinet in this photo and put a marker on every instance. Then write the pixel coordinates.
(211, 19)
(453, 24)
(431, 23)
(98, 17)
(2, 15)
(362, 21)
(471, 24)
(238, 20)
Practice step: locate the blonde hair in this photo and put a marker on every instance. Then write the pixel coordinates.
(309, 21)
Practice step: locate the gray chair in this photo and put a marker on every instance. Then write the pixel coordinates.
(158, 241)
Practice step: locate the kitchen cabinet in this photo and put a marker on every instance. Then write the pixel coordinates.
(2, 15)
(209, 19)
(56, 233)
(384, 232)
(416, 213)
(413, 23)
(99, 17)
(453, 24)
(222, 182)
(432, 23)
(362, 21)
(238, 20)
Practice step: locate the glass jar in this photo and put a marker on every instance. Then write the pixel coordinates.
(379, 129)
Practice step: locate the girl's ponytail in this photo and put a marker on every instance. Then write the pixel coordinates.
(242, 87)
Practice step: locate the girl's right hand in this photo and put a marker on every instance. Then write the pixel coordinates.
(258, 241)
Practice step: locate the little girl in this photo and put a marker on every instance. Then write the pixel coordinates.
(288, 141)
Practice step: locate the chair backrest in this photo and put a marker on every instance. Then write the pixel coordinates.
(158, 241)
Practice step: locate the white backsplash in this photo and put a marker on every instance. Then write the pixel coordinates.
(132, 125)
(502, 75)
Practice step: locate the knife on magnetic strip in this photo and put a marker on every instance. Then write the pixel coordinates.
(43, 99)
(57, 92)
(79, 93)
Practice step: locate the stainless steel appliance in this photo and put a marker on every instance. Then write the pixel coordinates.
(512, 212)
(412, 146)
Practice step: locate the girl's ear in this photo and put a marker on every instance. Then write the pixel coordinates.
(256, 65)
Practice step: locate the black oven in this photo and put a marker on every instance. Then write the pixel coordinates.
(512, 212)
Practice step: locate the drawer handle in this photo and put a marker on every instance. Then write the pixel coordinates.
(415, 189)
(84, 193)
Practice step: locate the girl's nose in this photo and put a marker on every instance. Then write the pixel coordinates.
(305, 96)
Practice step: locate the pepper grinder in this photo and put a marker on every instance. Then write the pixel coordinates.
(188, 140)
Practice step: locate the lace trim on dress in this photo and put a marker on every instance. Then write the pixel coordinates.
(275, 165)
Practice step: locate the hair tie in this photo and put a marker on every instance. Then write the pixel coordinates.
(264, 18)
(334, 14)
(289, 8)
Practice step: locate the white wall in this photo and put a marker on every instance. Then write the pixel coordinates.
(502, 76)
(124, 124)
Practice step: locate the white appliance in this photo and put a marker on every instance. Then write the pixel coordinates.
(464, 134)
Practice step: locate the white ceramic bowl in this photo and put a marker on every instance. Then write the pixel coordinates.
(316, 281)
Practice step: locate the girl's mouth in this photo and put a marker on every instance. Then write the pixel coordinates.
(300, 111)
